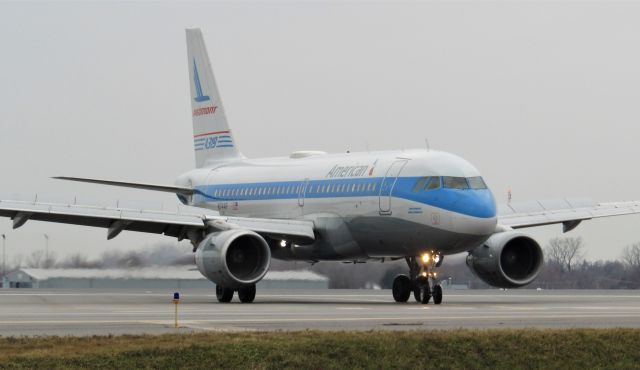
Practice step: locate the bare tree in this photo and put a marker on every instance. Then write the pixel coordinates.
(631, 256)
(566, 252)
(49, 260)
(35, 259)
(78, 260)
(39, 259)
(17, 262)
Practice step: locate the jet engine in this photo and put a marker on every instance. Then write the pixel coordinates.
(233, 258)
(507, 260)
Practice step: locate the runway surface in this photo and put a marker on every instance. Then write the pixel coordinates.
(89, 312)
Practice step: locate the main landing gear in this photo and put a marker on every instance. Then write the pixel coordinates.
(246, 294)
(421, 280)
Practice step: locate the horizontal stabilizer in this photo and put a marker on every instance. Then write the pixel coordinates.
(135, 185)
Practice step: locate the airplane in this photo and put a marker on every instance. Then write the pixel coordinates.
(418, 205)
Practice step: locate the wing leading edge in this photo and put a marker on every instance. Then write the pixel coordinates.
(569, 213)
(176, 224)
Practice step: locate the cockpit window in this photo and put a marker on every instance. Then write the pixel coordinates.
(419, 186)
(434, 183)
(455, 182)
(476, 183)
(426, 184)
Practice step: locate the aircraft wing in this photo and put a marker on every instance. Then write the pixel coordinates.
(176, 224)
(568, 212)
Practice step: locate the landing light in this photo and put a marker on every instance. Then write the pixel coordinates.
(437, 258)
(425, 257)
(283, 243)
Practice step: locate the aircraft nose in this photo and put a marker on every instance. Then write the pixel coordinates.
(476, 203)
(484, 207)
(483, 203)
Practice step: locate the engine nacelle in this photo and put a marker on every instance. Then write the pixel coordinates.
(507, 260)
(233, 258)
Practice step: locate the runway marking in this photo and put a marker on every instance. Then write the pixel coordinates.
(352, 308)
(311, 319)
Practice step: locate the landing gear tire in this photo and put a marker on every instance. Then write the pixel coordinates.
(247, 294)
(425, 294)
(224, 295)
(437, 294)
(421, 291)
(417, 295)
(401, 288)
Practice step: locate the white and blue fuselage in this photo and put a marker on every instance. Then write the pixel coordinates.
(364, 205)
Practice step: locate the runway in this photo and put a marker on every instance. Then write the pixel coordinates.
(96, 312)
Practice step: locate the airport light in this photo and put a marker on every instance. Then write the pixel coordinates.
(176, 301)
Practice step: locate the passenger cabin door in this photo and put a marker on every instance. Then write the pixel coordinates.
(302, 191)
(387, 185)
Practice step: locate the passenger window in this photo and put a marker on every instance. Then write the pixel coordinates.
(419, 186)
(455, 182)
(477, 183)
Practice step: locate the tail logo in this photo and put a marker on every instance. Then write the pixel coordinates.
(196, 81)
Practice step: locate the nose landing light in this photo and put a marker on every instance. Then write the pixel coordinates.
(429, 257)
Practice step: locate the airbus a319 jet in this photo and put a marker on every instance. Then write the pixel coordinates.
(417, 205)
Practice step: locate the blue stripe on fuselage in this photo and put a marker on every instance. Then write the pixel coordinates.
(477, 203)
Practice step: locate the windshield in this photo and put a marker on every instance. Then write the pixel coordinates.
(455, 182)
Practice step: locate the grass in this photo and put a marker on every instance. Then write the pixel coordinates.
(460, 349)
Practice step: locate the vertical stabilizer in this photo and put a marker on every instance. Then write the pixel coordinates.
(212, 138)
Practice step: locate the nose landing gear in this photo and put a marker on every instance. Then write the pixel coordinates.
(421, 280)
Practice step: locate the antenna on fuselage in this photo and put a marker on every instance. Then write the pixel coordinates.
(426, 142)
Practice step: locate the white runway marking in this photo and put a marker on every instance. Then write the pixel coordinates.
(101, 312)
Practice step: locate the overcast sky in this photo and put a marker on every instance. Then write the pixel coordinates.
(542, 97)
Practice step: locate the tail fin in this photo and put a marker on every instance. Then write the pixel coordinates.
(212, 138)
